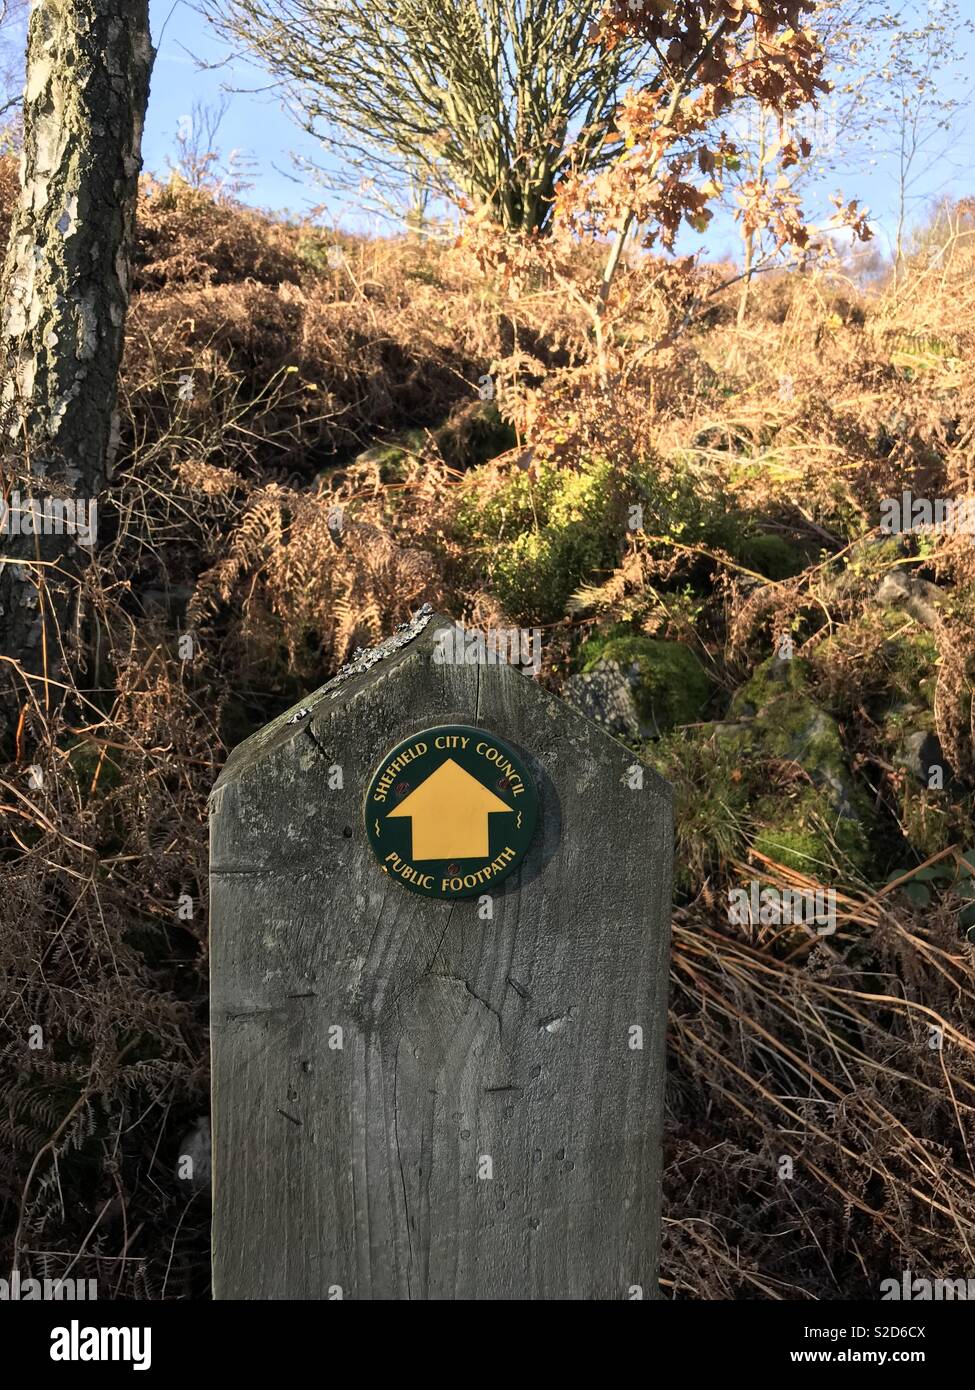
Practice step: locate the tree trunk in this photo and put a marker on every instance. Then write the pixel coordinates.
(746, 284)
(65, 294)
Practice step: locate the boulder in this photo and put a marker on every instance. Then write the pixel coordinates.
(910, 594)
(667, 682)
(918, 753)
(605, 696)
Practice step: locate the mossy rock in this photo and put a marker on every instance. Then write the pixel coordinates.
(768, 683)
(669, 684)
(734, 788)
(475, 435)
(769, 555)
(782, 721)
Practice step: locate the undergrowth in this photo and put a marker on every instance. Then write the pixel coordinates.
(306, 459)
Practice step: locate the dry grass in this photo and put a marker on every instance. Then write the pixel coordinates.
(823, 1060)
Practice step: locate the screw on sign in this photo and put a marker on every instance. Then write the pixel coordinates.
(414, 1098)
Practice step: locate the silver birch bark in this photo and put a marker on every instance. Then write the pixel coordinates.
(65, 294)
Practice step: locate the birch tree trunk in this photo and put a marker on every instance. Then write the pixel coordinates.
(65, 294)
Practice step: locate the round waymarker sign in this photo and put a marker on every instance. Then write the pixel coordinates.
(450, 811)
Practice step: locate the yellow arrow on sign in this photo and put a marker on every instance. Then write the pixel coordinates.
(450, 815)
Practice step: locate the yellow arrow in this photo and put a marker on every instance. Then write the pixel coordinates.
(450, 815)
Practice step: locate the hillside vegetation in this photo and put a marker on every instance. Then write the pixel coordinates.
(306, 458)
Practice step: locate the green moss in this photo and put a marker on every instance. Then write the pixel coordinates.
(543, 533)
(734, 786)
(593, 647)
(669, 685)
(795, 833)
(782, 721)
(675, 506)
(769, 682)
(794, 849)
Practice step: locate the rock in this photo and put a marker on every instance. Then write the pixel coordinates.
(918, 753)
(667, 682)
(775, 677)
(908, 592)
(734, 788)
(868, 560)
(783, 721)
(604, 695)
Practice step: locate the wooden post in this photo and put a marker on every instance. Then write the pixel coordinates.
(427, 1097)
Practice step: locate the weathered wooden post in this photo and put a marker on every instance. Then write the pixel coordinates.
(440, 917)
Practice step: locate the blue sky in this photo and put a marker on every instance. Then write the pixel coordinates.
(255, 125)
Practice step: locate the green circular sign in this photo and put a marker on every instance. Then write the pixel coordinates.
(450, 811)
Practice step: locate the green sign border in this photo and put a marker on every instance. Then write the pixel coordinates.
(395, 836)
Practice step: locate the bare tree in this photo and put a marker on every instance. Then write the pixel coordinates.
(481, 97)
(65, 294)
(200, 163)
(833, 129)
(925, 95)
